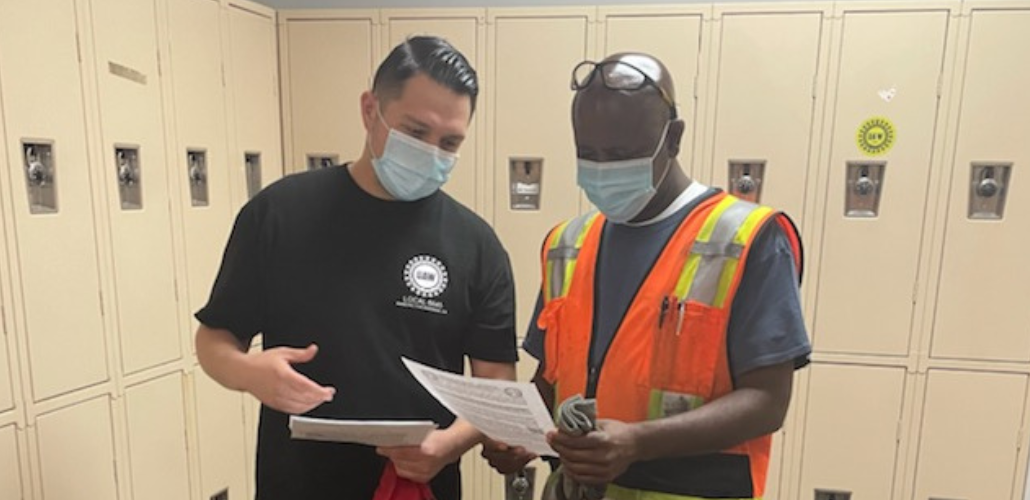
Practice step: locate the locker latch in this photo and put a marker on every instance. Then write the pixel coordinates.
(832, 495)
(40, 176)
(127, 171)
(196, 164)
(252, 171)
(318, 161)
(519, 485)
(746, 179)
(988, 190)
(525, 180)
(864, 186)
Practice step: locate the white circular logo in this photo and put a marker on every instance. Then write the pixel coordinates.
(426, 276)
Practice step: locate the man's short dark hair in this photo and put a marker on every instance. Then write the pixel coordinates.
(434, 57)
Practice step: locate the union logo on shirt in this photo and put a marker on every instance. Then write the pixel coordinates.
(426, 277)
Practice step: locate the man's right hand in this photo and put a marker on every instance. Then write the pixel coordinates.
(275, 383)
(504, 458)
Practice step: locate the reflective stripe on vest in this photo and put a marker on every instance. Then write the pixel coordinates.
(703, 263)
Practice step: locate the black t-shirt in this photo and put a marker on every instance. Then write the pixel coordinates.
(315, 259)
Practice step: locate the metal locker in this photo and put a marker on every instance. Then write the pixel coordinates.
(199, 160)
(76, 451)
(851, 431)
(134, 156)
(322, 83)
(54, 254)
(254, 78)
(955, 463)
(156, 428)
(885, 113)
(764, 106)
(462, 31)
(10, 464)
(220, 432)
(675, 39)
(984, 282)
(7, 365)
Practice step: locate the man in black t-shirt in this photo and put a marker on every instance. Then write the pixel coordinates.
(347, 269)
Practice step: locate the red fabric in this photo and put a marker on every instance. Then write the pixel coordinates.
(394, 487)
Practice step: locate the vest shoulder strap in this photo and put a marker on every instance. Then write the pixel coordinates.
(561, 251)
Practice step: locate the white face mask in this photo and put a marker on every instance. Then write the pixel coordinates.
(620, 189)
(410, 169)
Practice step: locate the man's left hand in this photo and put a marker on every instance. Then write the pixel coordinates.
(422, 463)
(600, 456)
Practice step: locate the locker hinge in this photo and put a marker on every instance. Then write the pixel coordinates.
(898, 432)
(223, 75)
(940, 84)
(100, 296)
(158, 63)
(1020, 439)
(915, 292)
(695, 87)
(815, 85)
(78, 48)
(3, 320)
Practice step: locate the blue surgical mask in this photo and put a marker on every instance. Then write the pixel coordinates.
(620, 189)
(411, 169)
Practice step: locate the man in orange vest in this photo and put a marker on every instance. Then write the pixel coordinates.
(675, 309)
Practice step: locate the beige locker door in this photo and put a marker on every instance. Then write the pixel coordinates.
(851, 430)
(329, 65)
(132, 121)
(676, 41)
(255, 94)
(981, 307)
(970, 435)
(462, 32)
(532, 60)
(10, 465)
(55, 253)
(869, 264)
(220, 416)
(201, 126)
(76, 451)
(157, 439)
(764, 105)
(6, 366)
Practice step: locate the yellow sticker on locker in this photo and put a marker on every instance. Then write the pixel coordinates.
(876, 136)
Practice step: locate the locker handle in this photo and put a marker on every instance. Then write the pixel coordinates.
(746, 184)
(35, 169)
(126, 174)
(864, 185)
(197, 175)
(988, 185)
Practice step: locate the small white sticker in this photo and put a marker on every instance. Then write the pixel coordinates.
(888, 94)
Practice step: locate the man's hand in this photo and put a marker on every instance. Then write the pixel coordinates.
(273, 380)
(600, 456)
(505, 459)
(422, 463)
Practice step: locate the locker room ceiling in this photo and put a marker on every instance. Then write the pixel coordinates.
(381, 4)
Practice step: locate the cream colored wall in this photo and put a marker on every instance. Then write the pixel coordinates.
(918, 387)
(100, 395)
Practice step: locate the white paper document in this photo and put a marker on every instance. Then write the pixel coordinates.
(509, 412)
(370, 432)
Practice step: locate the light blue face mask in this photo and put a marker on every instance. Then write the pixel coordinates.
(410, 169)
(620, 189)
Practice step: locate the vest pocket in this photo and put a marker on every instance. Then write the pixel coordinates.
(686, 349)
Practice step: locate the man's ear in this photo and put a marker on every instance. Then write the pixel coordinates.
(675, 135)
(368, 109)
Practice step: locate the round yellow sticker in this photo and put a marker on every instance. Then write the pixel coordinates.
(876, 136)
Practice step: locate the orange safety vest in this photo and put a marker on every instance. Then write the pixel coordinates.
(669, 354)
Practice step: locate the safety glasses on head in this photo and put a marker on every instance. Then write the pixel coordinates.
(618, 75)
